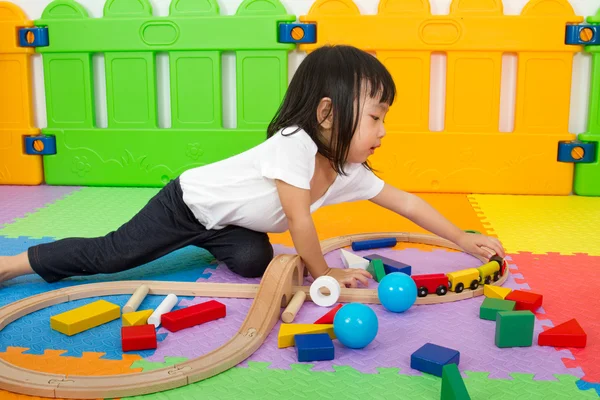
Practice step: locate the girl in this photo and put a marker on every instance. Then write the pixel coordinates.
(330, 122)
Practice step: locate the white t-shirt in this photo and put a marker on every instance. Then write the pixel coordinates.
(241, 190)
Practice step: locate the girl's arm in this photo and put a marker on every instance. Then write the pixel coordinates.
(296, 206)
(421, 213)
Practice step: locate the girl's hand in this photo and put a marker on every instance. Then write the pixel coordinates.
(481, 245)
(349, 277)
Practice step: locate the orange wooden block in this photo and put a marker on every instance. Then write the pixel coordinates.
(525, 300)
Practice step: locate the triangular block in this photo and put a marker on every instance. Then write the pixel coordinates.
(351, 260)
(525, 300)
(376, 269)
(496, 292)
(285, 338)
(136, 318)
(453, 386)
(567, 334)
(328, 318)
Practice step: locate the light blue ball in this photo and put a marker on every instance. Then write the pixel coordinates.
(355, 325)
(397, 292)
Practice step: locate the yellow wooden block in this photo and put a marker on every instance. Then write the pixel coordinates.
(285, 338)
(496, 292)
(85, 317)
(136, 318)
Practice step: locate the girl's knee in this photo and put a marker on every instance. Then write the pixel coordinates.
(251, 261)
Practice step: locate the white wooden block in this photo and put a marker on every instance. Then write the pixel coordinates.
(351, 260)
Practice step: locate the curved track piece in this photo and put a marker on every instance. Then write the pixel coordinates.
(275, 290)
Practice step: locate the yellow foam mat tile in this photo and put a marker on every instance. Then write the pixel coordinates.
(365, 216)
(542, 224)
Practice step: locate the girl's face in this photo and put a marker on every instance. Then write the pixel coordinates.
(370, 131)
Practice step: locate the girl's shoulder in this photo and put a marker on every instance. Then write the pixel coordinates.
(293, 137)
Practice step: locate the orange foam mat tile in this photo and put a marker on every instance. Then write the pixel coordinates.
(52, 361)
(365, 216)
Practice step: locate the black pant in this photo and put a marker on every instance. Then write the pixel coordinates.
(164, 225)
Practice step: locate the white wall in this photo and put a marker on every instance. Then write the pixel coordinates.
(580, 87)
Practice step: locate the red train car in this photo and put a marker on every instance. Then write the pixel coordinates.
(431, 283)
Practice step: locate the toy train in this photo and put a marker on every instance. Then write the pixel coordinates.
(457, 281)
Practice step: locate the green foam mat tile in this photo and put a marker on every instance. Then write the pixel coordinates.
(258, 381)
(90, 212)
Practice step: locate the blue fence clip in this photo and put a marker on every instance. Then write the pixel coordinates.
(40, 145)
(576, 151)
(582, 34)
(297, 33)
(33, 37)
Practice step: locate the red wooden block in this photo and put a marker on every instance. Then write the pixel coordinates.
(525, 300)
(567, 334)
(141, 337)
(193, 315)
(328, 318)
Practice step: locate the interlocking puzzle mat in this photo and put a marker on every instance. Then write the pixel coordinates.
(380, 370)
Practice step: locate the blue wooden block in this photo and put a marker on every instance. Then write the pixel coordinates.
(431, 358)
(314, 347)
(374, 244)
(391, 265)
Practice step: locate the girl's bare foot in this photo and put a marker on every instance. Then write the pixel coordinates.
(13, 266)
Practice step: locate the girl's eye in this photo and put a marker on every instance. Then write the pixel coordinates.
(375, 118)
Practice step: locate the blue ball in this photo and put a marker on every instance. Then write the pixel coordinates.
(355, 325)
(397, 292)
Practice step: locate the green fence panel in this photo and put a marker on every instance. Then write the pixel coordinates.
(133, 151)
(587, 175)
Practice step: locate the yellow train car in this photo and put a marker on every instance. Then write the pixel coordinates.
(489, 271)
(465, 278)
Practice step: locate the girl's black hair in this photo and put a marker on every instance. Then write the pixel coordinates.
(338, 72)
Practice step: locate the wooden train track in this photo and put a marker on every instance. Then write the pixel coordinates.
(281, 280)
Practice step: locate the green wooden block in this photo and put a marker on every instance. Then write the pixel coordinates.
(453, 386)
(490, 307)
(514, 328)
(376, 269)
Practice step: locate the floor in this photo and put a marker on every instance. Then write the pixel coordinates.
(553, 245)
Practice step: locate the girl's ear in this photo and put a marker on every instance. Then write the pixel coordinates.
(325, 113)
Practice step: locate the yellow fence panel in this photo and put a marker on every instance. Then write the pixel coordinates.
(16, 117)
(470, 155)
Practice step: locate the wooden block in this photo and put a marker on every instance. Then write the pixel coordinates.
(514, 328)
(141, 337)
(390, 265)
(194, 315)
(136, 299)
(289, 314)
(567, 334)
(285, 337)
(525, 300)
(496, 292)
(136, 318)
(351, 260)
(314, 347)
(490, 307)
(430, 358)
(328, 318)
(376, 269)
(85, 317)
(373, 244)
(453, 386)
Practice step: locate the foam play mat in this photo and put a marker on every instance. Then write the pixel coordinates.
(546, 255)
